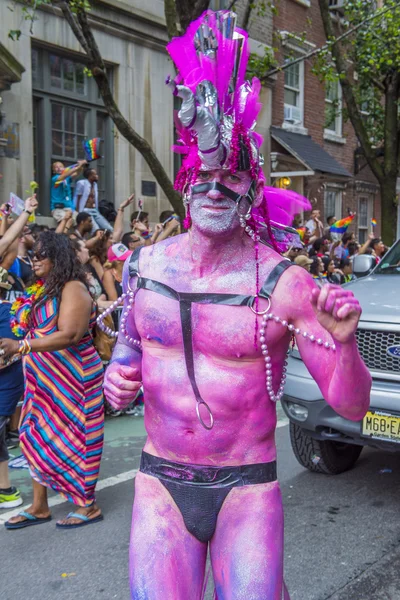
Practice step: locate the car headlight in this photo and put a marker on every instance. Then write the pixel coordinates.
(297, 411)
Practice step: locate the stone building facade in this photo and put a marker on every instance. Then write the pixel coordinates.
(311, 145)
(52, 104)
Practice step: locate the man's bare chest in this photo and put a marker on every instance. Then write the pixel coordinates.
(218, 313)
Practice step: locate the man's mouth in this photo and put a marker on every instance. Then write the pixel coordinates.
(216, 208)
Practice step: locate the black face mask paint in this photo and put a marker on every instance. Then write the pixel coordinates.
(202, 188)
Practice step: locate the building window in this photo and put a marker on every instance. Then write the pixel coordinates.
(68, 110)
(365, 209)
(294, 92)
(68, 130)
(333, 108)
(67, 75)
(333, 203)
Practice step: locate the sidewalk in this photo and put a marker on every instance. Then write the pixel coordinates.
(380, 581)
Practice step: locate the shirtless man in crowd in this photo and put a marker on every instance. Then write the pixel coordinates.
(208, 471)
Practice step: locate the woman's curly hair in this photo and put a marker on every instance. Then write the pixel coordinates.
(66, 265)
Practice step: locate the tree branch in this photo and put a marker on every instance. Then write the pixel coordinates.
(81, 28)
(347, 88)
(391, 149)
(247, 14)
(335, 40)
(171, 18)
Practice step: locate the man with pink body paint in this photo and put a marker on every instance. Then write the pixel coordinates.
(208, 474)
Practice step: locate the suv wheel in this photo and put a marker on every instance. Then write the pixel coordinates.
(322, 456)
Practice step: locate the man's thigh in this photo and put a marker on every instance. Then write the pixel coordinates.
(247, 547)
(166, 561)
(100, 222)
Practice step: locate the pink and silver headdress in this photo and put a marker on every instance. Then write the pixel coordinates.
(217, 119)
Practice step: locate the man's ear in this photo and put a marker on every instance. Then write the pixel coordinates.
(259, 193)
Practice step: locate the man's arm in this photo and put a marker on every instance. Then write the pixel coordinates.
(17, 227)
(123, 376)
(73, 172)
(119, 219)
(330, 314)
(63, 224)
(365, 246)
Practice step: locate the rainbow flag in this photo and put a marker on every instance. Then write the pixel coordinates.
(91, 149)
(374, 222)
(341, 225)
(302, 232)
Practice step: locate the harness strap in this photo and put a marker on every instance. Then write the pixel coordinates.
(270, 283)
(185, 305)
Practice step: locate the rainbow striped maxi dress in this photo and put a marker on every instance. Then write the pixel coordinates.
(62, 417)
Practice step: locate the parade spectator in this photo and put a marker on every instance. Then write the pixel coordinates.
(330, 221)
(346, 267)
(94, 282)
(112, 280)
(139, 218)
(316, 270)
(297, 221)
(342, 251)
(24, 260)
(320, 247)
(131, 240)
(314, 225)
(11, 391)
(62, 416)
(374, 246)
(61, 194)
(292, 253)
(303, 261)
(378, 249)
(86, 199)
(119, 219)
(331, 274)
(17, 227)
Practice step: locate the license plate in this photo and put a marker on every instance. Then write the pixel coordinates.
(381, 426)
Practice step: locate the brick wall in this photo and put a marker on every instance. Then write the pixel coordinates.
(296, 18)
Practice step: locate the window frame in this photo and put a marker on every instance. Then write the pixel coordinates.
(338, 131)
(370, 209)
(300, 92)
(338, 191)
(91, 102)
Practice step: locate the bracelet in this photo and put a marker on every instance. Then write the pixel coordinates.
(28, 211)
(24, 347)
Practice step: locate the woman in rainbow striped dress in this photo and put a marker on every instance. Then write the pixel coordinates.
(63, 415)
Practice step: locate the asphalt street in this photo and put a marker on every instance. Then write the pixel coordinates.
(342, 533)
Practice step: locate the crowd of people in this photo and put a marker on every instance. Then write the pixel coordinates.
(43, 271)
(327, 258)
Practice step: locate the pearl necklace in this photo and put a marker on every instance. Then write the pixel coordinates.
(110, 309)
(269, 316)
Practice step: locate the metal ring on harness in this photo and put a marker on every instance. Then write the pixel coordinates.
(261, 312)
(200, 417)
(129, 283)
(239, 214)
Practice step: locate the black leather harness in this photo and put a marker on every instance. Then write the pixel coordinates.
(186, 299)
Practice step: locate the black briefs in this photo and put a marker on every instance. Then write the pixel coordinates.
(199, 491)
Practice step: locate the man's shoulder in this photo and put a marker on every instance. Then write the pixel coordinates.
(80, 184)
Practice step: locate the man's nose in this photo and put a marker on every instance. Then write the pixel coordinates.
(215, 195)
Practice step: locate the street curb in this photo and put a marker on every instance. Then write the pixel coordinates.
(380, 581)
